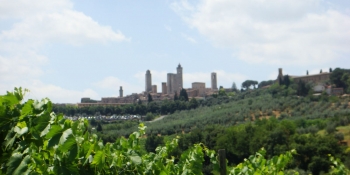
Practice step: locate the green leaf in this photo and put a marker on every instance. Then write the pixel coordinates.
(54, 129)
(73, 152)
(136, 159)
(68, 143)
(26, 109)
(45, 131)
(65, 136)
(163, 173)
(18, 166)
(10, 138)
(14, 162)
(54, 140)
(99, 159)
(20, 131)
(39, 105)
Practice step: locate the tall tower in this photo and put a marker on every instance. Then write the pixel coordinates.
(179, 79)
(164, 88)
(148, 83)
(280, 73)
(121, 92)
(214, 81)
(171, 82)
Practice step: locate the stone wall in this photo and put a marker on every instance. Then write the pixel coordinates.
(316, 78)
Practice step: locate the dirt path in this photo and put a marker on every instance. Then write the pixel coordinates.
(159, 118)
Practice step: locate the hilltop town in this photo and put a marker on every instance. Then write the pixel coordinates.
(172, 86)
(199, 90)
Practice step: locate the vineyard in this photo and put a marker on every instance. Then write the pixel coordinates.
(37, 141)
(245, 107)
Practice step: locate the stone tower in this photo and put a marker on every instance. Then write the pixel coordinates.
(175, 81)
(154, 88)
(214, 81)
(179, 79)
(171, 82)
(148, 85)
(280, 73)
(164, 88)
(121, 92)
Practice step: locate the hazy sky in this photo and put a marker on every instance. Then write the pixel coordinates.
(68, 49)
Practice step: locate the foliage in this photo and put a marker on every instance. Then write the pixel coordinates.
(183, 95)
(265, 83)
(340, 77)
(222, 91)
(246, 84)
(234, 87)
(257, 164)
(152, 142)
(39, 142)
(149, 117)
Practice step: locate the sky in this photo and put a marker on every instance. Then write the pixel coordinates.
(69, 49)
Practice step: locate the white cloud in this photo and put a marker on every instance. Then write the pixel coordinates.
(39, 90)
(67, 26)
(273, 32)
(188, 38)
(34, 24)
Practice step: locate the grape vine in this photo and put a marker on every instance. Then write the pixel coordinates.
(37, 141)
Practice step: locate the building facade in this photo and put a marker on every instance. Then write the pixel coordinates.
(200, 87)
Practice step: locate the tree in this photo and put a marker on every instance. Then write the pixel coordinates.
(193, 103)
(307, 72)
(265, 83)
(337, 77)
(302, 90)
(99, 127)
(152, 142)
(222, 91)
(246, 84)
(183, 95)
(330, 70)
(149, 116)
(286, 80)
(346, 80)
(234, 87)
(149, 98)
(176, 97)
(254, 83)
(321, 71)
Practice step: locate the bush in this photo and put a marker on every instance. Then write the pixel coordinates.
(149, 116)
(339, 136)
(331, 128)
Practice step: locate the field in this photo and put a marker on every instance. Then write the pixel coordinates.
(246, 107)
